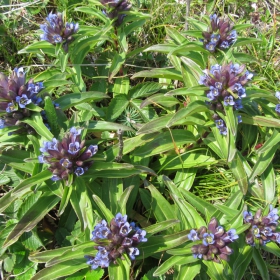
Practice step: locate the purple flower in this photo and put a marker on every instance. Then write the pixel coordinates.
(114, 240)
(277, 95)
(193, 235)
(208, 238)
(56, 31)
(262, 227)
(277, 109)
(213, 242)
(219, 34)
(68, 155)
(228, 100)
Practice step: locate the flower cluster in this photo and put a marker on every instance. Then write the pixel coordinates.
(68, 156)
(114, 240)
(277, 108)
(226, 88)
(15, 95)
(262, 229)
(213, 242)
(219, 34)
(116, 9)
(56, 31)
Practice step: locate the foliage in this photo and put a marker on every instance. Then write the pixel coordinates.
(121, 111)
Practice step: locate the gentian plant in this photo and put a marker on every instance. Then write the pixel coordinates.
(68, 156)
(220, 34)
(226, 85)
(56, 30)
(113, 241)
(214, 242)
(263, 228)
(16, 95)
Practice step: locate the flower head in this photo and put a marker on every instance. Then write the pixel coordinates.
(214, 241)
(262, 227)
(67, 156)
(57, 31)
(115, 9)
(114, 240)
(220, 34)
(15, 95)
(225, 88)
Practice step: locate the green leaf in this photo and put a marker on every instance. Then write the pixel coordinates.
(116, 170)
(144, 89)
(241, 263)
(263, 162)
(39, 47)
(164, 142)
(81, 203)
(199, 203)
(174, 260)
(261, 264)
(190, 91)
(271, 247)
(77, 252)
(61, 269)
(161, 207)
(194, 107)
(159, 73)
(187, 160)
(120, 271)
(122, 202)
(117, 62)
(273, 140)
(69, 100)
(193, 219)
(189, 271)
(117, 106)
(268, 184)
(238, 171)
(103, 210)
(15, 159)
(175, 35)
(155, 125)
(31, 218)
(161, 243)
(106, 126)
(260, 121)
(51, 116)
(158, 227)
(215, 270)
(161, 99)
(246, 41)
(45, 256)
(37, 123)
(26, 185)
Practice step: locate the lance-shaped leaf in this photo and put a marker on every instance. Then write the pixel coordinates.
(69, 100)
(172, 261)
(31, 218)
(192, 108)
(159, 73)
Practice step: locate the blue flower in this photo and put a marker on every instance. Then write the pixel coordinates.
(277, 95)
(120, 219)
(193, 235)
(11, 107)
(56, 31)
(231, 235)
(228, 100)
(133, 252)
(114, 240)
(2, 123)
(248, 217)
(208, 238)
(23, 101)
(277, 108)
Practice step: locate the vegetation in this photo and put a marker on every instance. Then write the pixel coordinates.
(139, 139)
